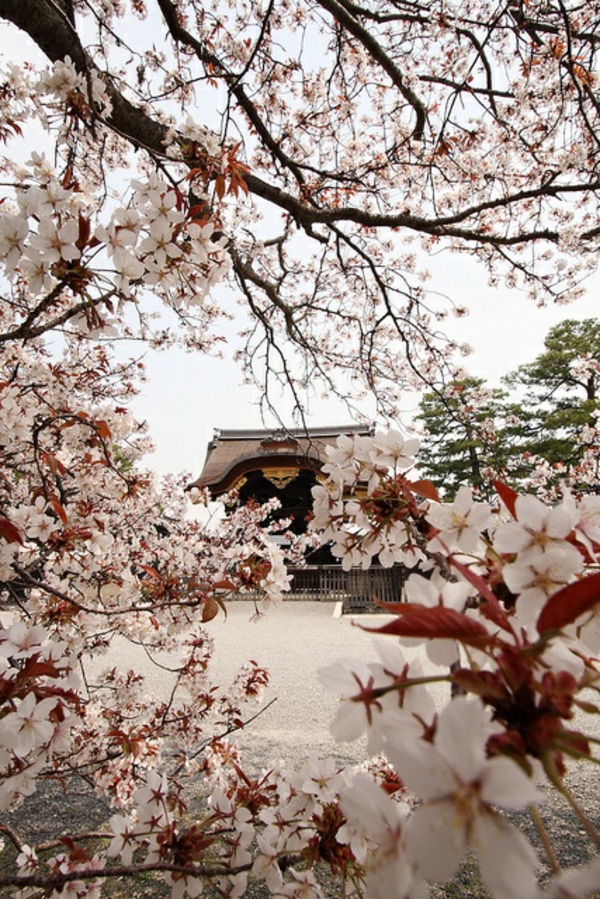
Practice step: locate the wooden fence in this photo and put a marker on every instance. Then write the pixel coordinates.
(327, 583)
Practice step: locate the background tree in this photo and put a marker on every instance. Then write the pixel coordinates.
(558, 412)
(462, 441)
(547, 424)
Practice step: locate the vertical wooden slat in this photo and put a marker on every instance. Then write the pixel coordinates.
(329, 583)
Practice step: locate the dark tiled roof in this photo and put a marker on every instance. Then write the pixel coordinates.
(232, 453)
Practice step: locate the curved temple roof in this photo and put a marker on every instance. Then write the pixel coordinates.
(231, 454)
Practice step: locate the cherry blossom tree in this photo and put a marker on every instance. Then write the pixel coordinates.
(333, 146)
(306, 157)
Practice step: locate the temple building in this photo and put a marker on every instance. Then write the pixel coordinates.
(262, 464)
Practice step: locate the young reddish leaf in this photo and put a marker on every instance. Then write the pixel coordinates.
(507, 495)
(210, 609)
(497, 615)
(487, 684)
(152, 572)
(198, 214)
(425, 489)
(392, 608)
(436, 621)
(103, 429)
(84, 232)
(569, 603)
(10, 531)
(59, 509)
(34, 667)
(224, 585)
(220, 186)
(494, 611)
(475, 579)
(56, 466)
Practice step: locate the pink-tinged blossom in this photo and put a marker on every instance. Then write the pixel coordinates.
(266, 865)
(585, 515)
(458, 788)
(159, 244)
(392, 450)
(397, 549)
(27, 860)
(373, 696)
(576, 883)
(13, 234)
(116, 238)
(21, 641)
(162, 207)
(124, 842)
(345, 457)
(56, 242)
(459, 523)
(183, 885)
(151, 802)
(352, 681)
(303, 886)
(376, 828)
(432, 592)
(36, 270)
(535, 578)
(537, 529)
(321, 779)
(30, 723)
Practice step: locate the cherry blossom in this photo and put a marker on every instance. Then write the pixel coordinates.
(459, 523)
(381, 821)
(459, 788)
(537, 528)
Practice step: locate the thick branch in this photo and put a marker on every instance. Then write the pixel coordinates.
(50, 28)
(350, 24)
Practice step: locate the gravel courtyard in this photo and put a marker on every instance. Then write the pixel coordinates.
(293, 640)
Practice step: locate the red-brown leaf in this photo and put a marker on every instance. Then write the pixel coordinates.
(483, 683)
(103, 429)
(436, 622)
(494, 611)
(84, 232)
(507, 495)
(59, 509)
(10, 531)
(225, 584)
(210, 609)
(425, 489)
(152, 572)
(569, 603)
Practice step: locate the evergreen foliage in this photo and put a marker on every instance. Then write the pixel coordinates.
(473, 432)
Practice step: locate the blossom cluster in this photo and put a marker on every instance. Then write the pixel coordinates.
(506, 602)
(73, 259)
(505, 608)
(92, 551)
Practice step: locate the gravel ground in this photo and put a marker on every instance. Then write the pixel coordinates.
(293, 641)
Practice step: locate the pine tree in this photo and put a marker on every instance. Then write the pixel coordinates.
(461, 443)
(558, 410)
